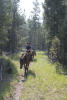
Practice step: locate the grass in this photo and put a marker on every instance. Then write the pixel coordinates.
(43, 82)
(9, 80)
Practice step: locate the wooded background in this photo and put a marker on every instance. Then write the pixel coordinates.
(51, 35)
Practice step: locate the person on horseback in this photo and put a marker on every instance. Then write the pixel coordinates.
(28, 46)
(29, 49)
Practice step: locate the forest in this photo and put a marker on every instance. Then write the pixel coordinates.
(48, 37)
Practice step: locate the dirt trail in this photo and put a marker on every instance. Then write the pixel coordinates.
(18, 90)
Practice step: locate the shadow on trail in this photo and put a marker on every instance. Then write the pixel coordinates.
(31, 73)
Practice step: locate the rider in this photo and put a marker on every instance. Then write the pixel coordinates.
(29, 50)
(28, 46)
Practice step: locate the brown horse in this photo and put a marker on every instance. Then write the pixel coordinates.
(33, 53)
(25, 61)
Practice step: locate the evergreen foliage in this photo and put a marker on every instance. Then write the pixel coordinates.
(55, 19)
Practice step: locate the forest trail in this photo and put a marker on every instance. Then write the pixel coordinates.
(44, 82)
(18, 89)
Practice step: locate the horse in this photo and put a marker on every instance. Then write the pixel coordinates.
(33, 53)
(25, 60)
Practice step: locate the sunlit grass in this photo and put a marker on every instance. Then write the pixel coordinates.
(43, 82)
(47, 83)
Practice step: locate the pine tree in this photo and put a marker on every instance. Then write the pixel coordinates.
(54, 16)
(4, 22)
(14, 26)
(35, 23)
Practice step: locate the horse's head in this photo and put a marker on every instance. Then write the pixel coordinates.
(21, 63)
(22, 60)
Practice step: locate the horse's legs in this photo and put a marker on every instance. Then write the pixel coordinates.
(27, 70)
(24, 70)
(25, 73)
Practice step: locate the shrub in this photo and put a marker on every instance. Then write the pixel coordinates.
(55, 49)
(7, 64)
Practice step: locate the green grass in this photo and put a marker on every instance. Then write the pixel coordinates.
(43, 82)
(9, 80)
